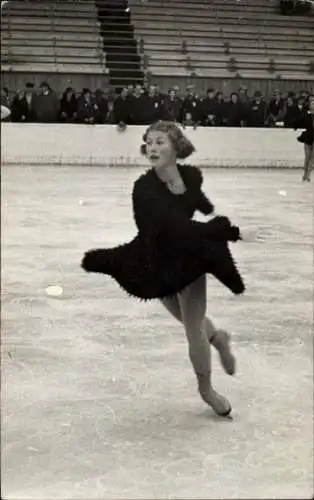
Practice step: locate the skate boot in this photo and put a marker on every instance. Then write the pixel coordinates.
(218, 403)
(221, 341)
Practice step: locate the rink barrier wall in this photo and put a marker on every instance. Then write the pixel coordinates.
(104, 145)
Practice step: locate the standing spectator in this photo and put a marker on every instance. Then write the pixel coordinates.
(234, 112)
(140, 107)
(85, 107)
(145, 84)
(19, 107)
(243, 95)
(256, 116)
(110, 118)
(30, 97)
(208, 109)
(275, 109)
(173, 105)
(68, 106)
(159, 95)
(191, 108)
(303, 100)
(46, 105)
(121, 108)
(245, 102)
(291, 112)
(154, 103)
(220, 110)
(101, 107)
(131, 89)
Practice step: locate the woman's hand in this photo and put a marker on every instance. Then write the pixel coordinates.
(250, 235)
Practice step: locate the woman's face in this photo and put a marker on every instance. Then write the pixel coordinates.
(160, 150)
(234, 98)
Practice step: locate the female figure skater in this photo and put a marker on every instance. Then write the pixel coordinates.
(171, 254)
(307, 138)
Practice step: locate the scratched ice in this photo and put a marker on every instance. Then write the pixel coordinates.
(99, 399)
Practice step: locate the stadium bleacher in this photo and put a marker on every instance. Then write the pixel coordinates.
(93, 44)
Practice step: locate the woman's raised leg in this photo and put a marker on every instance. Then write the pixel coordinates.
(220, 339)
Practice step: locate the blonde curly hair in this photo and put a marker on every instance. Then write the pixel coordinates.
(182, 145)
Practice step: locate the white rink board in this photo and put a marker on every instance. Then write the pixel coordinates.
(63, 144)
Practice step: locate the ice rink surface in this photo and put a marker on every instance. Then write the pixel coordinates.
(99, 400)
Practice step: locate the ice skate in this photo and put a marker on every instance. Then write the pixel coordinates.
(218, 403)
(221, 342)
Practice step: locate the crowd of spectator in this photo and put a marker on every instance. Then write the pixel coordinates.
(135, 105)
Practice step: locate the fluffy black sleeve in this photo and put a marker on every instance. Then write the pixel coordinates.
(193, 177)
(157, 215)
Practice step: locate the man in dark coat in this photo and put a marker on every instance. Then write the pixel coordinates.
(191, 109)
(46, 105)
(208, 109)
(172, 106)
(256, 115)
(121, 108)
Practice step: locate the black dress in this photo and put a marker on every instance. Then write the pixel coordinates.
(307, 137)
(170, 250)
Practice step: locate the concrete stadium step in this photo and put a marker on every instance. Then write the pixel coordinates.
(209, 25)
(219, 48)
(221, 63)
(19, 59)
(267, 5)
(47, 13)
(176, 7)
(36, 67)
(33, 44)
(47, 28)
(205, 39)
(47, 5)
(195, 63)
(34, 21)
(91, 37)
(241, 59)
(224, 73)
(250, 17)
(150, 29)
(51, 51)
(216, 43)
(244, 65)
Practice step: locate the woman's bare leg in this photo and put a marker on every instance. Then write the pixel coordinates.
(308, 161)
(220, 339)
(192, 303)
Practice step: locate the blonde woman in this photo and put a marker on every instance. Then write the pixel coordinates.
(171, 254)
